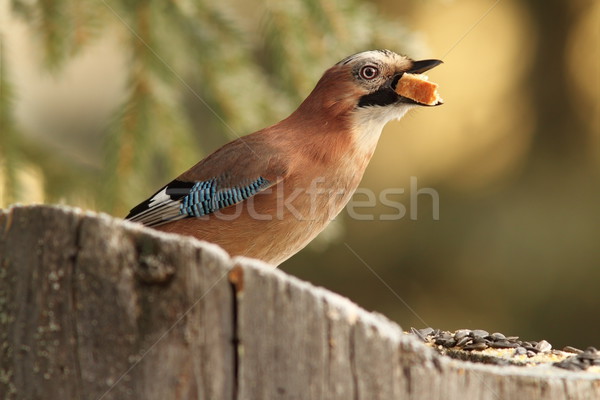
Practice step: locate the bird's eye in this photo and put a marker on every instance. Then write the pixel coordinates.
(369, 72)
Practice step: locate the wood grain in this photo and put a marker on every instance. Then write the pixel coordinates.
(92, 307)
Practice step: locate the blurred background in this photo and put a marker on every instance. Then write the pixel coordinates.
(103, 102)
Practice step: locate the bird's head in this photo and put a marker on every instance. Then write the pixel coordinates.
(375, 74)
(360, 91)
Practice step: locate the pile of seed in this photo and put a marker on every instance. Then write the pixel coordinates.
(581, 361)
(464, 341)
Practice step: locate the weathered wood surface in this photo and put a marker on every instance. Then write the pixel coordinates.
(92, 307)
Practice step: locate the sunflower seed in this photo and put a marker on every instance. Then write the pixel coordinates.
(461, 333)
(571, 364)
(426, 331)
(504, 344)
(477, 333)
(571, 349)
(533, 349)
(588, 355)
(422, 333)
(519, 351)
(543, 346)
(476, 346)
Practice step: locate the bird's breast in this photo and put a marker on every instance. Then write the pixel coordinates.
(320, 190)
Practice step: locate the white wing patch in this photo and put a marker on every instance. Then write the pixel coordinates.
(159, 197)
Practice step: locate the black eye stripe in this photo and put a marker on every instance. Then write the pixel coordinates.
(381, 97)
(396, 80)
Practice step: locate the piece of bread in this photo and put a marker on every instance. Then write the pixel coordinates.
(417, 87)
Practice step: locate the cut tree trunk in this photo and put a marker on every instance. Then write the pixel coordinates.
(93, 307)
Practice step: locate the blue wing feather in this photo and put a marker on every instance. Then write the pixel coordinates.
(179, 200)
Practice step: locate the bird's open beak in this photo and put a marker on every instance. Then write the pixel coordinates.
(427, 94)
(418, 67)
(389, 93)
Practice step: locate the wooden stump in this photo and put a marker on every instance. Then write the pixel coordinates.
(92, 307)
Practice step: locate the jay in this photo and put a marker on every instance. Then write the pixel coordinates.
(268, 194)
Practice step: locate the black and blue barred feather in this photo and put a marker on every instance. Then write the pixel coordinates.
(204, 199)
(179, 199)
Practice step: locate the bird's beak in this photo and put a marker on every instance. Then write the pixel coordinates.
(387, 93)
(418, 67)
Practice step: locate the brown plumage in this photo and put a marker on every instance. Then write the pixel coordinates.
(311, 164)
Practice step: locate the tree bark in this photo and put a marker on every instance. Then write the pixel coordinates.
(93, 307)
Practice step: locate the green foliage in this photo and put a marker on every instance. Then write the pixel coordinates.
(64, 27)
(9, 151)
(196, 69)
